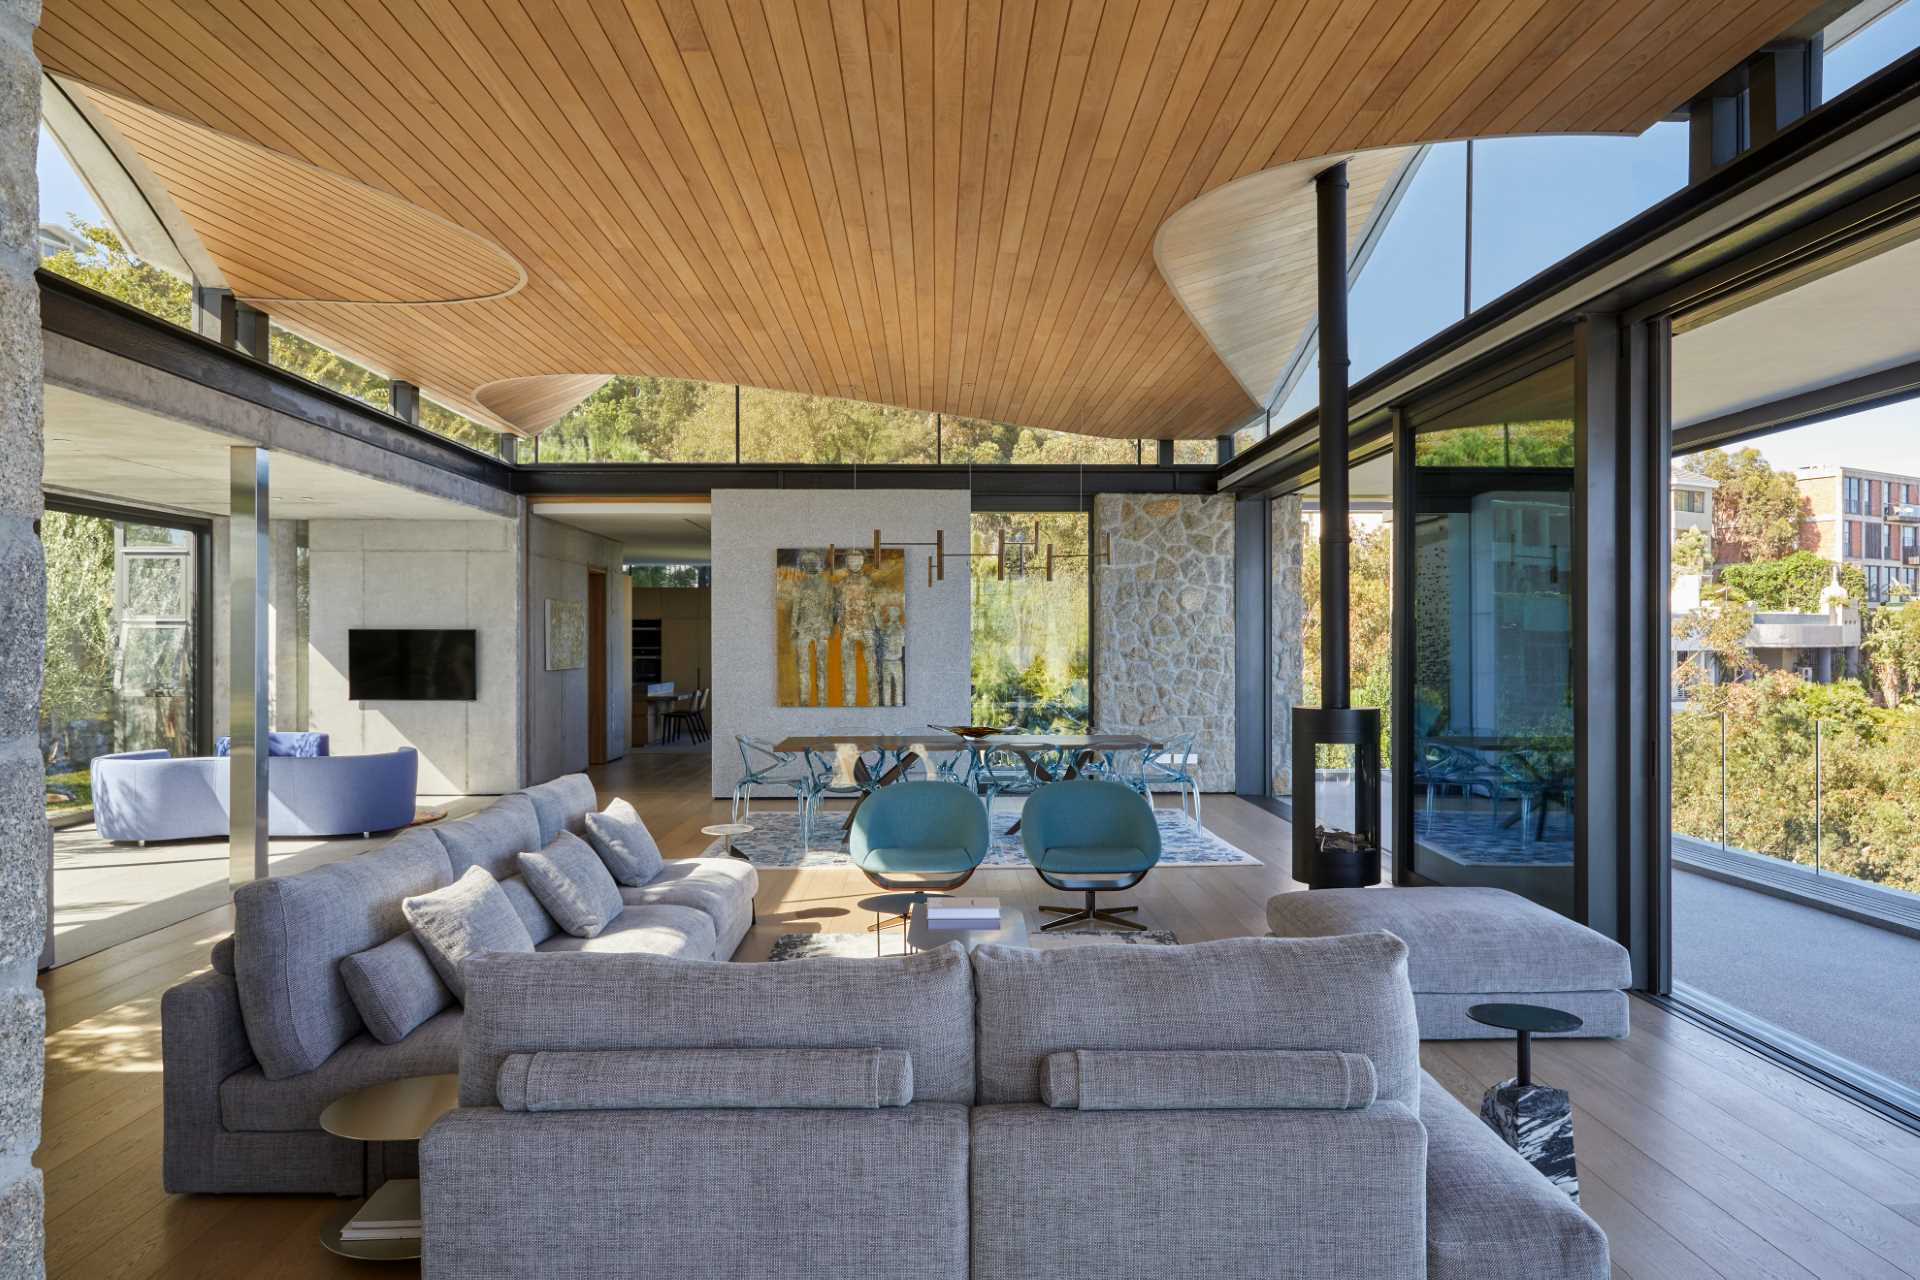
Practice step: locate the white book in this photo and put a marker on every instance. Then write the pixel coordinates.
(940, 907)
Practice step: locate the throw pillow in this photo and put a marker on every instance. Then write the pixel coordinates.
(394, 987)
(469, 917)
(573, 885)
(624, 844)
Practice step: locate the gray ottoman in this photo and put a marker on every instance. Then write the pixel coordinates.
(1475, 946)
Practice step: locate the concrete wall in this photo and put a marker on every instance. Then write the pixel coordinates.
(25, 851)
(1289, 612)
(422, 573)
(748, 527)
(559, 557)
(1163, 624)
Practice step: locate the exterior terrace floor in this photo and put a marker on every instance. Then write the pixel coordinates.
(1845, 986)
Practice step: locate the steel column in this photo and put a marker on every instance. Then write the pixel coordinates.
(252, 332)
(406, 401)
(249, 577)
(1330, 191)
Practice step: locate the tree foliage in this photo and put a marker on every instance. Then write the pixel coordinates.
(1369, 619)
(1792, 583)
(1868, 800)
(1030, 636)
(1757, 511)
(1892, 647)
(78, 681)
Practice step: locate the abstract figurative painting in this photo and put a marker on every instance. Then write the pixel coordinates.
(840, 628)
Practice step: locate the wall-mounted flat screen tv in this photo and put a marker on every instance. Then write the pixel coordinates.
(411, 666)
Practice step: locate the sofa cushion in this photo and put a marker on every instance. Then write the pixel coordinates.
(526, 905)
(721, 887)
(623, 842)
(394, 987)
(471, 916)
(659, 931)
(573, 885)
(1464, 939)
(921, 1003)
(249, 1102)
(1232, 1195)
(221, 958)
(1349, 994)
(685, 1079)
(1490, 1214)
(291, 933)
(493, 838)
(562, 805)
(1207, 1080)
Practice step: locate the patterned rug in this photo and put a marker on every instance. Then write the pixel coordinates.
(1475, 839)
(800, 946)
(775, 842)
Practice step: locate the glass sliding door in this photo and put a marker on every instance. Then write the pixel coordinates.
(123, 673)
(1489, 636)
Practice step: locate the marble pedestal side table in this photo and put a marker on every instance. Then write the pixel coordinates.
(1534, 1119)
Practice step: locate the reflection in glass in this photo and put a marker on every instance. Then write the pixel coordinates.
(1493, 754)
(120, 644)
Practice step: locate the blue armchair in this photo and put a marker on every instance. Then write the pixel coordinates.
(1090, 836)
(919, 836)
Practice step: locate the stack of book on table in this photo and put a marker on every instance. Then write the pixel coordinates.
(391, 1213)
(963, 913)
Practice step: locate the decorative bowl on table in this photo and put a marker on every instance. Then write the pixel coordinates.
(969, 730)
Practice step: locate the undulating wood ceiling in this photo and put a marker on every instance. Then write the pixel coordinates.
(949, 205)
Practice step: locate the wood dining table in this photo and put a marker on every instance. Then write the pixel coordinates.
(1080, 749)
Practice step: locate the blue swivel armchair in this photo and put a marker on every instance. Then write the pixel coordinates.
(919, 836)
(1090, 836)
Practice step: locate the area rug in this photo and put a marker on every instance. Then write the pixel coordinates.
(1477, 839)
(775, 842)
(800, 946)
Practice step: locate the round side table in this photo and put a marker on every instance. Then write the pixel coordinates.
(727, 831)
(397, 1111)
(1536, 1120)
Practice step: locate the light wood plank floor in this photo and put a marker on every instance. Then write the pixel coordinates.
(1698, 1158)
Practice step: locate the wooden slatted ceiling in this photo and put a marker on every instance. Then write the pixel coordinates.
(943, 204)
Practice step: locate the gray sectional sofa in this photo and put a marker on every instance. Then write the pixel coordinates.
(1252, 1107)
(254, 1050)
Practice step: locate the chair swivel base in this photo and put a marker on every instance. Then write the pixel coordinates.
(1089, 915)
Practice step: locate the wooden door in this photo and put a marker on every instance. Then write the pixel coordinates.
(597, 667)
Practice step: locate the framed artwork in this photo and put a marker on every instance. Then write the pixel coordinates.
(840, 628)
(566, 635)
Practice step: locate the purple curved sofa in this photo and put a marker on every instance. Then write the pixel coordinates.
(150, 795)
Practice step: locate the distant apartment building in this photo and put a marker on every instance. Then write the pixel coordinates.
(1693, 504)
(1865, 518)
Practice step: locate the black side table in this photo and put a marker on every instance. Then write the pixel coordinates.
(1534, 1119)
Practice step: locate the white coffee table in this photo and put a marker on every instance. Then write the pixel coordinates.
(1011, 931)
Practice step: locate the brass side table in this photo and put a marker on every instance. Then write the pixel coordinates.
(397, 1111)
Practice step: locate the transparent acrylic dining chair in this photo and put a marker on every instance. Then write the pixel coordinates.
(1172, 765)
(766, 767)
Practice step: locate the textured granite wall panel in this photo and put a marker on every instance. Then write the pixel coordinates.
(558, 559)
(421, 573)
(749, 526)
(1163, 624)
